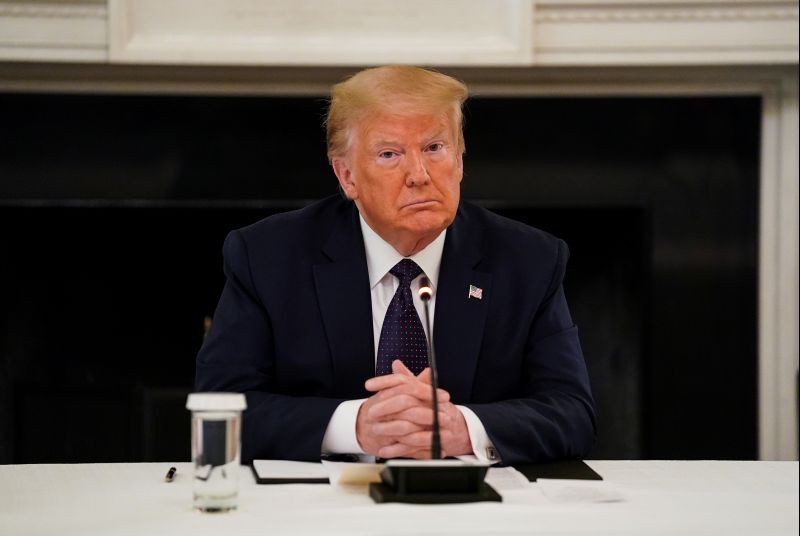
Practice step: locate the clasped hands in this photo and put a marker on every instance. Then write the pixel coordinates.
(396, 421)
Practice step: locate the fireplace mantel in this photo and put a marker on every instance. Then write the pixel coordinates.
(359, 32)
(529, 48)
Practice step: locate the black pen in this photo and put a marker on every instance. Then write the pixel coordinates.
(170, 474)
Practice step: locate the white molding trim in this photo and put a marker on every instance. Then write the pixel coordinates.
(669, 32)
(363, 32)
(319, 32)
(54, 31)
(550, 11)
(778, 274)
(61, 10)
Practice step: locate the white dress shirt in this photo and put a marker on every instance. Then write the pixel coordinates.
(340, 436)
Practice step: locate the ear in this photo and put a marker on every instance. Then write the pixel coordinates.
(343, 171)
(460, 166)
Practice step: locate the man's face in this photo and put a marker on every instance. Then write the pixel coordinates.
(404, 174)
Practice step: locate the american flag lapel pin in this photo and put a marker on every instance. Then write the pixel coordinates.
(475, 292)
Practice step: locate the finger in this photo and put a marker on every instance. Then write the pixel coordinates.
(423, 440)
(379, 383)
(421, 416)
(417, 440)
(370, 441)
(397, 378)
(396, 428)
(399, 450)
(387, 406)
(418, 390)
(395, 404)
(425, 376)
(380, 440)
(398, 367)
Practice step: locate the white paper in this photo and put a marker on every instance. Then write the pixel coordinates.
(289, 470)
(506, 479)
(578, 491)
(347, 473)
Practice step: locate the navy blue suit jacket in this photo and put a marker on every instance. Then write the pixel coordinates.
(293, 331)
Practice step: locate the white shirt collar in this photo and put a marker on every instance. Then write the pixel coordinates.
(381, 256)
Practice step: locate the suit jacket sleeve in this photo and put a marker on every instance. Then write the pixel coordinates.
(238, 356)
(554, 416)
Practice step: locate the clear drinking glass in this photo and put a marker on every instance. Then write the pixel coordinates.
(216, 439)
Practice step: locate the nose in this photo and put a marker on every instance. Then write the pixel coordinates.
(416, 172)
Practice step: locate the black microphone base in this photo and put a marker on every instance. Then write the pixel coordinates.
(433, 482)
(383, 493)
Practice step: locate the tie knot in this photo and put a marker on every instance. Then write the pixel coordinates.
(406, 270)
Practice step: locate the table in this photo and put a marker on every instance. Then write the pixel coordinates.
(660, 497)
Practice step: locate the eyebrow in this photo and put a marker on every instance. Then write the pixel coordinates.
(380, 143)
(387, 141)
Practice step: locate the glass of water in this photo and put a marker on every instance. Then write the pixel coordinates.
(216, 438)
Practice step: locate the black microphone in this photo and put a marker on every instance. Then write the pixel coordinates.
(425, 294)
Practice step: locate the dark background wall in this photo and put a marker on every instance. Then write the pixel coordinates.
(113, 210)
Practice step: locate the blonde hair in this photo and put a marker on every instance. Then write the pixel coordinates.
(398, 89)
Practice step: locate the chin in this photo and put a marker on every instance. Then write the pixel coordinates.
(424, 224)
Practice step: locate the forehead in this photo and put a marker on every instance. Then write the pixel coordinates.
(377, 127)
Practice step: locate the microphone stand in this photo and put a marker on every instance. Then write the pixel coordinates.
(436, 481)
(425, 293)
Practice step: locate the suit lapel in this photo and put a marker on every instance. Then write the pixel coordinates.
(346, 307)
(459, 319)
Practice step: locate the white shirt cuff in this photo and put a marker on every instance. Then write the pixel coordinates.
(482, 446)
(340, 436)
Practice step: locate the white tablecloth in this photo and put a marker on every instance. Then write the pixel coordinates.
(659, 497)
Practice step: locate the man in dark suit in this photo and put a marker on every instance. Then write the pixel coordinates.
(319, 321)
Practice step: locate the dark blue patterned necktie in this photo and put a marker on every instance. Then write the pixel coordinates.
(402, 336)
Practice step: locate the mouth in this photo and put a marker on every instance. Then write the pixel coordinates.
(421, 204)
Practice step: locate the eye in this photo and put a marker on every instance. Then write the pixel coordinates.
(386, 154)
(434, 147)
